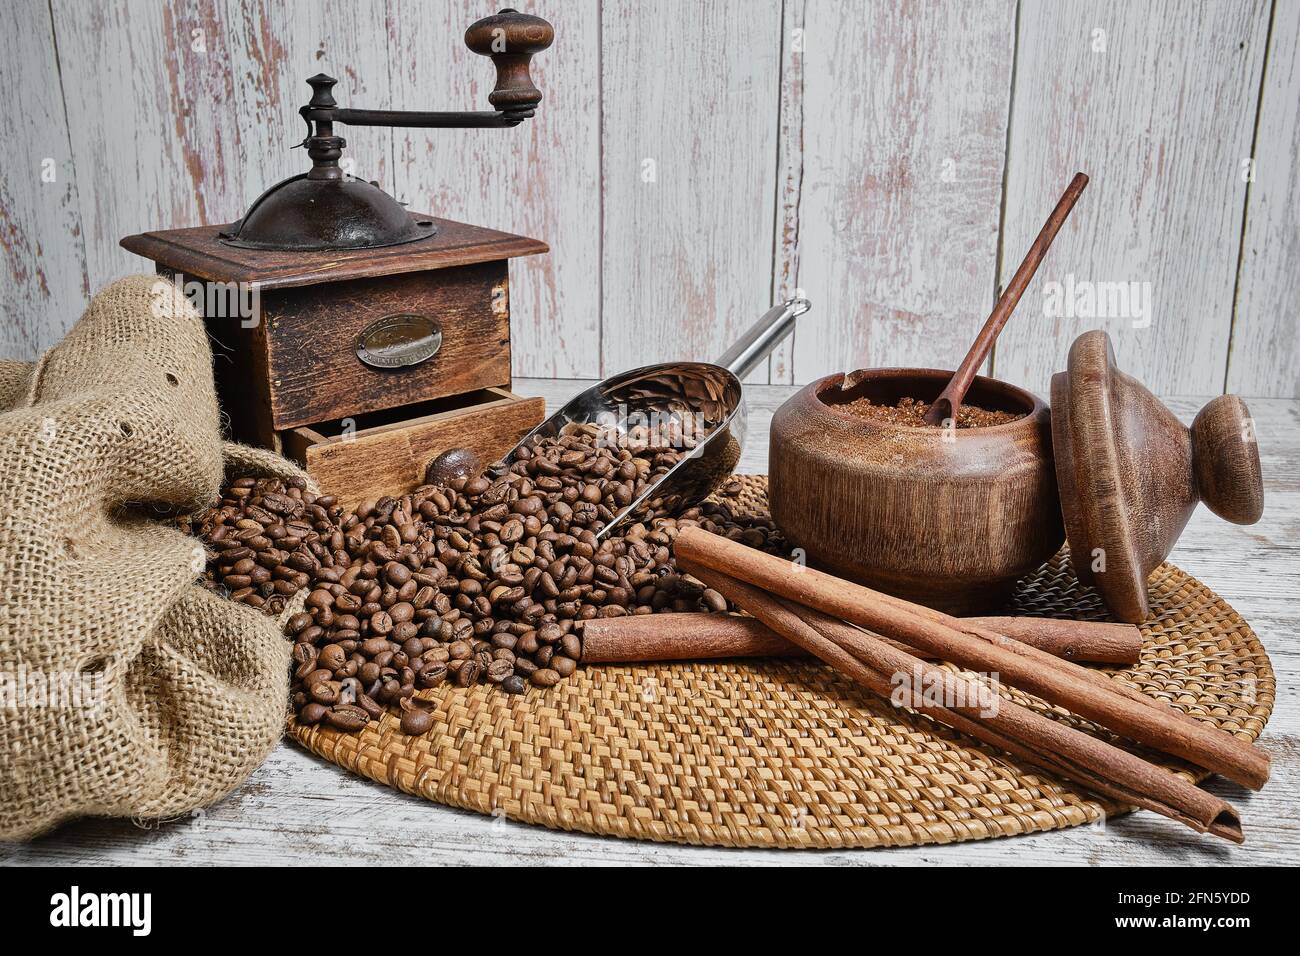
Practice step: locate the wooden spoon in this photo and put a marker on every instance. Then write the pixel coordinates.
(950, 398)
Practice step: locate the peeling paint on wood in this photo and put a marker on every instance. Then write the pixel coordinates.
(903, 144)
(274, 47)
(151, 138)
(540, 179)
(1265, 357)
(43, 284)
(789, 181)
(1160, 117)
(856, 151)
(689, 96)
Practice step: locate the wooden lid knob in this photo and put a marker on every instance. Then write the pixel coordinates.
(511, 38)
(1225, 459)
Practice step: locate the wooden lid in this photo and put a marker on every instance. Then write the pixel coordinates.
(1095, 496)
(199, 252)
(1130, 473)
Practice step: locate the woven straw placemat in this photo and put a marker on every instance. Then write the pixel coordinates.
(786, 753)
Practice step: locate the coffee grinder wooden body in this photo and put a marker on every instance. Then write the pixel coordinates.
(360, 365)
(348, 333)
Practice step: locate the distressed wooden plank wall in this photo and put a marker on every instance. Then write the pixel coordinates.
(43, 281)
(688, 94)
(902, 150)
(540, 179)
(151, 144)
(693, 161)
(1162, 119)
(1265, 357)
(274, 45)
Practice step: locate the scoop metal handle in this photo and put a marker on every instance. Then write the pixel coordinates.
(762, 337)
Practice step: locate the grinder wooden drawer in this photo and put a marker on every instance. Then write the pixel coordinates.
(385, 453)
(312, 334)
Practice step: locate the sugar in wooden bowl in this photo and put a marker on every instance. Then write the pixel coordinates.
(911, 411)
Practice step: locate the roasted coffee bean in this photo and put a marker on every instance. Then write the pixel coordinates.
(331, 657)
(571, 646)
(312, 714)
(324, 692)
(713, 600)
(432, 675)
(528, 643)
(416, 719)
(470, 671)
(450, 465)
(348, 717)
(370, 706)
(316, 676)
(545, 677)
(513, 685)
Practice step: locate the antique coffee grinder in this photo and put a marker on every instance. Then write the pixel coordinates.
(381, 336)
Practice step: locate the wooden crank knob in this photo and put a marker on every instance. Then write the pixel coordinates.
(511, 38)
(1225, 460)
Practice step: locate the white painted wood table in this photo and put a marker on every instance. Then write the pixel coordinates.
(298, 809)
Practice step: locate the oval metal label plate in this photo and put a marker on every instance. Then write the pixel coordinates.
(399, 341)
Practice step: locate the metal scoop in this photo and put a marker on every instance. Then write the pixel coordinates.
(699, 403)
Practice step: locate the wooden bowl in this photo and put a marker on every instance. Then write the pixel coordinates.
(950, 519)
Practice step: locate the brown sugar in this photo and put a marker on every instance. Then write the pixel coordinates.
(910, 411)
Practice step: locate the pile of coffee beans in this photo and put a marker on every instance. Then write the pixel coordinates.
(267, 539)
(485, 578)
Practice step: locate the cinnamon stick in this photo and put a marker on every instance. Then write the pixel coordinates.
(1054, 746)
(1087, 693)
(710, 636)
(680, 637)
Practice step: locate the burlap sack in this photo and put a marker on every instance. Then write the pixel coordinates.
(125, 688)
